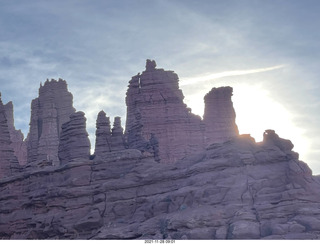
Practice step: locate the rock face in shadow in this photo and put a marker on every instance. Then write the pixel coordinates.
(155, 106)
(233, 190)
(16, 136)
(219, 116)
(74, 141)
(8, 162)
(48, 113)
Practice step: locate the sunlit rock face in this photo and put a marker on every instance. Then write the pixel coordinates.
(219, 116)
(8, 162)
(74, 141)
(16, 136)
(155, 103)
(48, 113)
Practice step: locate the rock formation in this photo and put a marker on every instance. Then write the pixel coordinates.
(117, 137)
(48, 112)
(16, 136)
(233, 190)
(74, 142)
(8, 161)
(219, 115)
(218, 185)
(155, 106)
(103, 134)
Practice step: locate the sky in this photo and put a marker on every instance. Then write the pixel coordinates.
(268, 51)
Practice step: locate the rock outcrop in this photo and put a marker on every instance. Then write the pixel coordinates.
(8, 161)
(219, 116)
(155, 106)
(233, 190)
(74, 141)
(48, 113)
(16, 136)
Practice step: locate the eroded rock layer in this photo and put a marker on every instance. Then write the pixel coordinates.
(233, 190)
(155, 106)
(48, 113)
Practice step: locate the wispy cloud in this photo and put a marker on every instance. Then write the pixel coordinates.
(192, 80)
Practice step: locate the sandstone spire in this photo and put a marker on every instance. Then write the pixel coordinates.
(219, 115)
(48, 112)
(74, 142)
(156, 95)
(103, 134)
(117, 138)
(16, 136)
(8, 161)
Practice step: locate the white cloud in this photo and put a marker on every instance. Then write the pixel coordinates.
(207, 77)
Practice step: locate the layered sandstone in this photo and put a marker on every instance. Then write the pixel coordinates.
(155, 106)
(48, 113)
(219, 115)
(8, 161)
(74, 141)
(16, 136)
(233, 190)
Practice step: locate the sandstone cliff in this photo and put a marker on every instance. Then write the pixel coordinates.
(233, 190)
(48, 113)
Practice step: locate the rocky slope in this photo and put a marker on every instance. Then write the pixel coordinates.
(233, 190)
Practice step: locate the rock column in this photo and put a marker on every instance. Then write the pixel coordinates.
(48, 112)
(219, 116)
(103, 134)
(8, 161)
(155, 94)
(117, 138)
(74, 141)
(16, 136)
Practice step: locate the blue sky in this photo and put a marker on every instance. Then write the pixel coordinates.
(267, 50)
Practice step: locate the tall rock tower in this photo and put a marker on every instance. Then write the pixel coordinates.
(219, 115)
(48, 112)
(17, 138)
(157, 100)
(8, 161)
